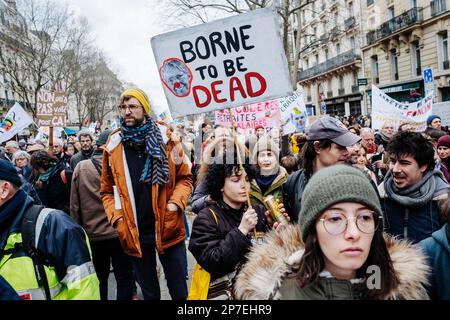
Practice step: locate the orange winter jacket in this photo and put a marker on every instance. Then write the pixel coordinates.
(118, 197)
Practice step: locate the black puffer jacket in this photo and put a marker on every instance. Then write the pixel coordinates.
(220, 246)
(55, 191)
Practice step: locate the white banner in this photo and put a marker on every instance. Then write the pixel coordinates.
(223, 64)
(44, 133)
(442, 109)
(15, 121)
(293, 113)
(385, 108)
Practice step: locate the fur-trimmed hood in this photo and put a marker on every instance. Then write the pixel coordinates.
(269, 264)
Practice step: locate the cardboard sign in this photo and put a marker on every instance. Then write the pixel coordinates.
(266, 114)
(51, 108)
(293, 113)
(384, 108)
(223, 64)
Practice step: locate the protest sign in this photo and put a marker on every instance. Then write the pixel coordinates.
(442, 109)
(223, 64)
(51, 108)
(293, 113)
(385, 108)
(266, 114)
(15, 121)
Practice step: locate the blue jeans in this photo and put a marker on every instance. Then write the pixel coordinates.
(173, 262)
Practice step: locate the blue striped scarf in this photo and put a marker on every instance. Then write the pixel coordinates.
(154, 147)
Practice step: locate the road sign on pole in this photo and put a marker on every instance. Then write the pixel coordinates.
(428, 80)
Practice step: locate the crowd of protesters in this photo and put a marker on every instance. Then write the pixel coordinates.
(353, 198)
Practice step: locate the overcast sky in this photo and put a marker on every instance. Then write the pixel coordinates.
(123, 30)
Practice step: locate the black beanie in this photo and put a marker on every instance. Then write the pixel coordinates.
(9, 173)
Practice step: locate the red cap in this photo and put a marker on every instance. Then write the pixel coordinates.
(258, 127)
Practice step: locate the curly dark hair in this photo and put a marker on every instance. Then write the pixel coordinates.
(219, 170)
(42, 159)
(412, 144)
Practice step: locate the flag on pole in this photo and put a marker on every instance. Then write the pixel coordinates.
(15, 121)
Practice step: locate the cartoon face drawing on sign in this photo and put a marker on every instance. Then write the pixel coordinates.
(298, 118)
(177, 77)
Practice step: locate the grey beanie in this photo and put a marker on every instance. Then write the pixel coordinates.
(265, 143)
(331, 185)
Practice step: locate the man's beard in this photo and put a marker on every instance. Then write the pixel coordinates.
(136, 122)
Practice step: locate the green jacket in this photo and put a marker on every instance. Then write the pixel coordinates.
(256, 196)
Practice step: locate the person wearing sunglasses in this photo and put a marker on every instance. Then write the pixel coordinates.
(338, 251)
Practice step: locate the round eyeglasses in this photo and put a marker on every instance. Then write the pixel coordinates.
(131, 107)
(335, 223)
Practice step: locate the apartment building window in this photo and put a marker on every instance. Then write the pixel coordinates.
(314, 10)
(413, 4)
(315, 33)
(317, 59)
(303, 16)
(352, 43)
(394, 65)
(369, 2)
(355, 78)
(415, 57)
(391, 12)
(338, 48)
(443, 50)
(350, 9)
(336, 19)
(374, 69)
(341, 82)
(326, 54)
(306, 63)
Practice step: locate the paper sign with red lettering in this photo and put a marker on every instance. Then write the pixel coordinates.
(384, 108)
(266, 114)
(223, 64)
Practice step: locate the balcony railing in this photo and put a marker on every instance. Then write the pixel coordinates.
(437, 7)
(341, 92)
(350, 22)
(340, 60)
(406, 19)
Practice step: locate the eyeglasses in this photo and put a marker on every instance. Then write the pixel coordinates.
(335, 223)
(131, 107)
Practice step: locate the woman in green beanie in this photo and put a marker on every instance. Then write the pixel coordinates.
(337, 251)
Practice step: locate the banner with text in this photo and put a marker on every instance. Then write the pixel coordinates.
(15, 121)
(442, 109)
(223, 64)
(385, 108)
(293, 113)
(266, 114)
(51, 108)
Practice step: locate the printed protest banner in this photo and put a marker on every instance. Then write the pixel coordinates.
(385, 108)
(15, 121)
(442, 109)
(266, 114)
(223, 64)
(51, 108)
(293, 113)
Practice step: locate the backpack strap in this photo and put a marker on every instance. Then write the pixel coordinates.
(214, 216)
(29, 222)
(97, 166)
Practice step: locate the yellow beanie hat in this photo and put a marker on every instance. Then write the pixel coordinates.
(140, 96)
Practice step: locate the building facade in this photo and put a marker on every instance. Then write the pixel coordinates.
(402, 38)
(331, 58)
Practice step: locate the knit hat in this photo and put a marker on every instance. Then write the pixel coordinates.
(102, 138)
(140, 95)
(263, 144)
(331, 185)
(431, 118)
(444, 141)
(9, 173)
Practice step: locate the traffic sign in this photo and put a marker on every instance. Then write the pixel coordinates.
(323, 107)
(428, 75)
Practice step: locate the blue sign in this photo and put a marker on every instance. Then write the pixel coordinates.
(428, 75)
(324, 107)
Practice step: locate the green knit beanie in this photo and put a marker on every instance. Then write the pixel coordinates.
(331, 185)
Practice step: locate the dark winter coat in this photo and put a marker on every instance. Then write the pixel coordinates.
(220, 246)
(437, 248)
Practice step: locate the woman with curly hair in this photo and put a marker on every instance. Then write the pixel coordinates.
(223, 232)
